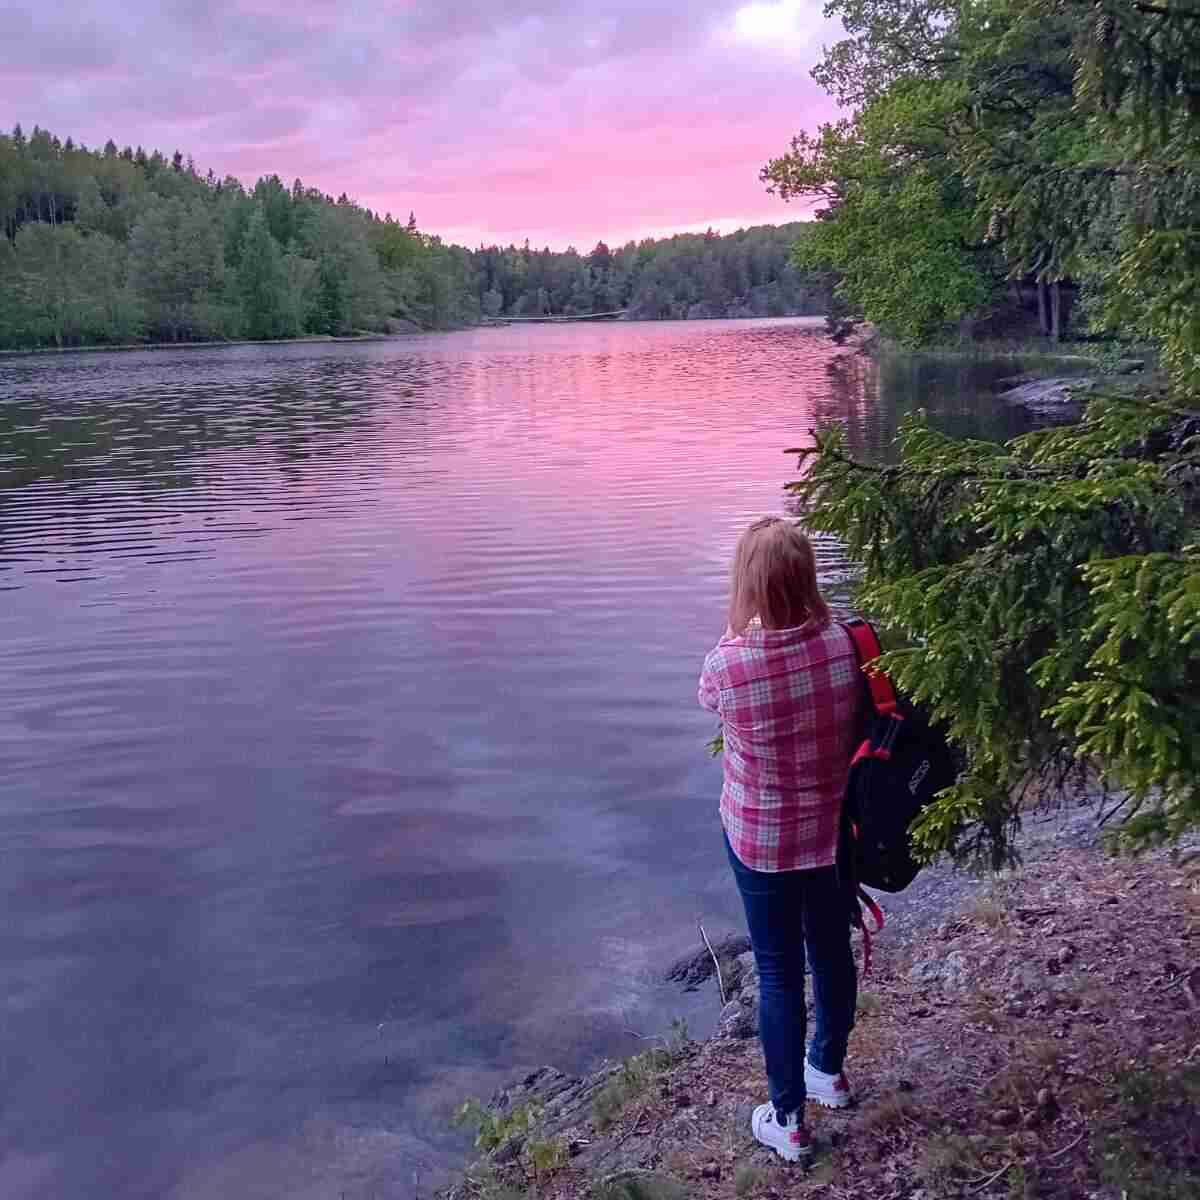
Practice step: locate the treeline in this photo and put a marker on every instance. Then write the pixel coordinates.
(749, 273)
(1007, 155)
(112, 246)
(117, 245)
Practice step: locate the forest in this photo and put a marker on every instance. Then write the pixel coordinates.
(117, 246)
(1003, 157)
(1044, 594)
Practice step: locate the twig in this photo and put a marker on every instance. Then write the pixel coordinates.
(992, 1177)
(720, 977)
(1068, 1146)
(630, 1131)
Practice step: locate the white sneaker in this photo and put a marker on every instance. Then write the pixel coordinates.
(789, 1140)
(833, 1091)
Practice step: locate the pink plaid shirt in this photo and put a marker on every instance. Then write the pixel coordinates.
(789, 703)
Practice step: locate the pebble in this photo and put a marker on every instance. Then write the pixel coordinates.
(711, 1170)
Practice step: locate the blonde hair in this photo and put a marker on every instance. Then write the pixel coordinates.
(774, 578)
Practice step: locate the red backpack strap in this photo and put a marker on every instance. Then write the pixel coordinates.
(866, 646)
(866, 901)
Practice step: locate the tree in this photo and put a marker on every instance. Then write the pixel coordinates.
(931, 188)
(261, 281)
(1046, 593)
(492, 303)
(177, 266)
(900, 224)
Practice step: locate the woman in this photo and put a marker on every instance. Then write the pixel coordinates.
(786, 684)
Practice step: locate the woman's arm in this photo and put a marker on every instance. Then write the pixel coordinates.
(709, 693)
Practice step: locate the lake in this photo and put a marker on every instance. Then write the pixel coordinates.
(350, 761)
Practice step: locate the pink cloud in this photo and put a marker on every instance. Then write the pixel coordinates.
(564, 122)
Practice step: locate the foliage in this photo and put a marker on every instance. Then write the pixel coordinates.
(635, 1075)
(639, 1185)
(539, 1157)
(493, 1127)
(1048, 589)
(1052, 141)
(111, 246)
(1162, 1101)
(116, 245)
(1049, 593)
(900, 221)
(747, 273)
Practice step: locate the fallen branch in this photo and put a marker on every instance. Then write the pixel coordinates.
(992, 1177)
(1068, 1146)
(720, 978)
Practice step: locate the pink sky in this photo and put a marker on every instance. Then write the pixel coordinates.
(563, 122)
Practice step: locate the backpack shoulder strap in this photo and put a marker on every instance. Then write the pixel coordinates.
(866, 646)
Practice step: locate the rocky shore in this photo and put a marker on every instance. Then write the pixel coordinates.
(1031, 1035)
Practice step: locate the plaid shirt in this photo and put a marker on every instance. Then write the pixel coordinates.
(789, 702)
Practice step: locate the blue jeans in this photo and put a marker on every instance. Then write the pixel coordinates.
(789, 912)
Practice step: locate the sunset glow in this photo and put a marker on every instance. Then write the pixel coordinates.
(563, 122)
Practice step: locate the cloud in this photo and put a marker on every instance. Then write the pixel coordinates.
(561, 120)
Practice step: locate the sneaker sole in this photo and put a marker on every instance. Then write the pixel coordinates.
(830, 1103)
(794, 1156)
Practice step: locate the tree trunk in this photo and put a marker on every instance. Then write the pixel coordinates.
(1043, 316)
(1056, 311)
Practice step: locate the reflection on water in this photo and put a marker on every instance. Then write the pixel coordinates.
(348, 740)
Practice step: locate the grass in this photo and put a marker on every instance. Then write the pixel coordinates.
(949, 1159)
(639, 1185)
(747, 1180)
(890, 1112)
(629, 1081)
(990, 912)
(636, 1074)
(868, 1004)
(1164, 1102)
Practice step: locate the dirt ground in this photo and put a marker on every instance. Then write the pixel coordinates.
(1041, 1040)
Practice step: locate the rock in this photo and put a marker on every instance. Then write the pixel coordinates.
(1046, 1100)
(397, 325)
(1058, 396)
(711, 1170)
(710, 1098)
(1004, 1117)
(695, 968)
(738, 1020)
(948, 971)
(1009, 382)
(509, 1151)
(1025, 980)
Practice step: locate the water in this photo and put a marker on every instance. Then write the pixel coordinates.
(349, 753)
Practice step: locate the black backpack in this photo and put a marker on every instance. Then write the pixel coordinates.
(902, 762)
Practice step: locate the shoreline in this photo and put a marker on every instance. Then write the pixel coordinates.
(315, 339)
(995, 1037)
(399, 335)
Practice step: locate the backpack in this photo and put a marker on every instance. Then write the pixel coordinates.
(902, 762)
